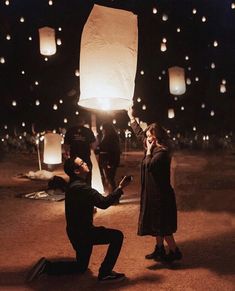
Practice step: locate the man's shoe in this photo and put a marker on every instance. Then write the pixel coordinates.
(173, 256)
(37, 270)
(111, 277)
(159, 253)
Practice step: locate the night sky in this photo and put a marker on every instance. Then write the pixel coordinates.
(192, 30)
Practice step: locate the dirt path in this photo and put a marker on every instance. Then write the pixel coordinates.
(206, 230)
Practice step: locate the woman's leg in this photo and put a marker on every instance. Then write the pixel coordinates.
(170, 242)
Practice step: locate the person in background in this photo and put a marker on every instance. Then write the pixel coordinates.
(80, 200)
(78, 141)
(109, 155)
(158, 212)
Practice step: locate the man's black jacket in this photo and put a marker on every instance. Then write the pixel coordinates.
(80, 200)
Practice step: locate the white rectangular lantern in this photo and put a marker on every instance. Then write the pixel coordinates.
(171, 113)
(52, 149)
(108, 59)
(177, 81)
(47, 41)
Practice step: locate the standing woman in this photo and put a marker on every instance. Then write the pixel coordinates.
(158, 212)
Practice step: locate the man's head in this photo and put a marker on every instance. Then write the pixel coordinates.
(75, 167)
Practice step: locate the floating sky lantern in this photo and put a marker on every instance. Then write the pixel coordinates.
(52, 149)
(222, 88)
(177, 81)
(171, 113)
(47, 41)
(108, 59)
(163, 47)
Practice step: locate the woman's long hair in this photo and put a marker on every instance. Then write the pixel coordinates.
(160, 133)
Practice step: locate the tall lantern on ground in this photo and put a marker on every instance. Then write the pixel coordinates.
(108, 59)
(47, 41)
(177, 81)
(52, 149)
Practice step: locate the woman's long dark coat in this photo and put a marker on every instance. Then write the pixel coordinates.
(158, 213)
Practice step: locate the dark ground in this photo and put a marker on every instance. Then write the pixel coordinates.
(205, 188)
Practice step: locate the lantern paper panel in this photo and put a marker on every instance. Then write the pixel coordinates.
(47, 41)
(177, 80)
(108, 59)
(96, 181)
(52, 149)
(171, 113)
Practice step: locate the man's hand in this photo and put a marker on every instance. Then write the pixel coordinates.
(124, 182)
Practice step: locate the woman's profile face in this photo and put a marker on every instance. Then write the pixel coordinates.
(150, 136)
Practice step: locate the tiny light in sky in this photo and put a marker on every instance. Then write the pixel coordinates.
(223, 81)
(61, 101)
(22, 19)
(36, 83)
(215, 44)
(5, 126)
(212, 113)
(65, 120)
(45, 59)
(171, 113)
(189, 68)
(7, 2)
(138, 99)
(178, 29)
(212, 65)
(55, 107)
(30, 38)
(163, 72)
(175, 98)
(50, 2)
(203, 105)
(22, 72)
(164, 17)
(164, 40)
(14, 103)
(2, 60)
(188, 81)
(159, 77)
(77, 113)
(8, 37)
(163, 47)
(114, 121)
(186, 58)
(233, 5)
(142, 72)
(77, 74)
(37, 102)
(194, 128)
(144, 107)
(222, 88)
(23, 124)
(203, 19)
(194, 11)
(58, 41)
(182, 108)
(196, 79)
(59, 28)
(154, 10)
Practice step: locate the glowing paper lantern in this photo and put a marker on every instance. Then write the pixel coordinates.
(171, 113)
(47, 41)
(108, 59)
(52, 149)
(222, 88)
(177, 81)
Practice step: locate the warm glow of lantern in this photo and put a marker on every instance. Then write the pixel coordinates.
(222, 88)
(52, 149)
(108, 59)
(177, 81)
(47, 41)
(171, 113)
(163, 47)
